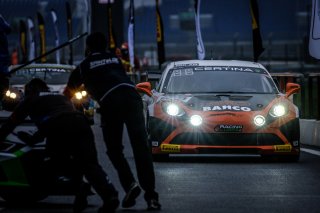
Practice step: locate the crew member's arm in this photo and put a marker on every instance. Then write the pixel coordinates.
(74, 82)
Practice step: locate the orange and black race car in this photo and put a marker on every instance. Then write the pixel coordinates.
(221, 107)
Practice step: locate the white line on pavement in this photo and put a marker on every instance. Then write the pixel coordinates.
(311, 151)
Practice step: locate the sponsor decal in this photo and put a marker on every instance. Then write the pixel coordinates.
(40, 69)
(48, 93)
(102, 62)
(228, 128)
(170, 148)
(282, 148)
(228, 68)
(196, 67)
(226, 108)
(186, 65)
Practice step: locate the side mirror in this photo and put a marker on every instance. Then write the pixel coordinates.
(144, 87)
(292, 88)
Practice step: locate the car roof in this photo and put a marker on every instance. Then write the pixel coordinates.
(196, 62)
(45, 67)
(238, 63)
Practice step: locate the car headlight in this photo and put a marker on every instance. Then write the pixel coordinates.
(196, 120)
(11, 98)
(278, 110)
(11, 95)
(80, 95)
(173, 109)
(84, 93)
(259, 120)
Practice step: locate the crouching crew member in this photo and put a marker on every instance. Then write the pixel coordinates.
(67, 133)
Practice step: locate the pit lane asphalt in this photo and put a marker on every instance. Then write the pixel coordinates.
(211, 184)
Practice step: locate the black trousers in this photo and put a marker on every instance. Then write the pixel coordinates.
(4, 85)
(124, 106)
(71, 134)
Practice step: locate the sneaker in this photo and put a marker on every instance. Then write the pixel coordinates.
(110, 206)
(153, 204)
(130, 199)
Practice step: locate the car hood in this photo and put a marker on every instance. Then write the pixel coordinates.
(59, 88)
(224, 102)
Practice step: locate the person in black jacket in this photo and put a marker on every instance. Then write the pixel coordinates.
(67, 133)
(105, 79)
(5, 29)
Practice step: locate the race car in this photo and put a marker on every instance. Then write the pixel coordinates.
(56, 76)
(221, 107)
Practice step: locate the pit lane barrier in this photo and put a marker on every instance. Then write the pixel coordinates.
(308, 102)
(310, 132)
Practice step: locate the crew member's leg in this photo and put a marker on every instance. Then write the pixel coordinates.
(78, 140)
(141, 149)
(86, 157)
(112, 129)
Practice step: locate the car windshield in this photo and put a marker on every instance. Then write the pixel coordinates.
(218, 80)
(52, 77)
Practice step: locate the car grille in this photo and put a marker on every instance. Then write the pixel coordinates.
(243, 139)
(159, 130)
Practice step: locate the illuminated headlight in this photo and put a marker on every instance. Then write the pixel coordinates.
(195, 120)
(172, 109)
(84, 93)
(278, 110)
(80, 95)
(259, 120)
(11, 95)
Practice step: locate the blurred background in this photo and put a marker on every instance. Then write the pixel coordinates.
(225, 26)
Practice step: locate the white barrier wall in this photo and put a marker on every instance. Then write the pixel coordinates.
(310, 132)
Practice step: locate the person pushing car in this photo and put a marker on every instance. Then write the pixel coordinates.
(105, 79)
(67, 133)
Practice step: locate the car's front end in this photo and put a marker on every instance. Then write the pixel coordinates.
(224, 126)
(222, 121)
(56, 77)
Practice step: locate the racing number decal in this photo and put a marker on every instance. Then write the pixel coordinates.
(170, 148)
(282, 148)
(181, 72)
